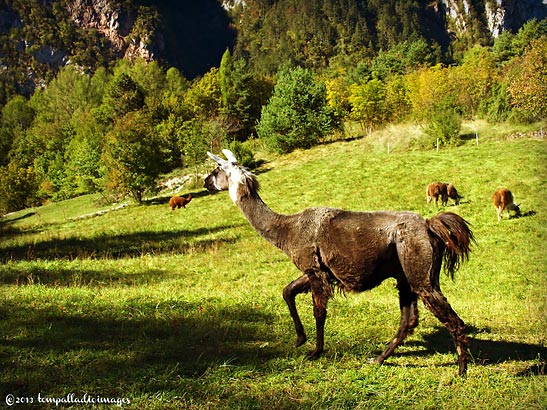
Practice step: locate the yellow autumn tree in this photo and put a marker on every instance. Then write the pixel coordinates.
(425, 87)
(473, 79)
(528, 84)
(204, 98)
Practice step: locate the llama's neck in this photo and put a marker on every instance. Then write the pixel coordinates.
(269, 224)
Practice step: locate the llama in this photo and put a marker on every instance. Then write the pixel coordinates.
(357, 251)
(444, 190)
(503, 201)
(179, 201)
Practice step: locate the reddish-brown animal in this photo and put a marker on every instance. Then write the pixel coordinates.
(179, 201)
(503, 201)
(444, 190)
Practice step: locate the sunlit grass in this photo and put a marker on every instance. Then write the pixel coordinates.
(183, 309)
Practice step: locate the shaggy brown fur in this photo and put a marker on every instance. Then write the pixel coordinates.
(503, 201)
(357, 251)
(179, 201)
(444, 190)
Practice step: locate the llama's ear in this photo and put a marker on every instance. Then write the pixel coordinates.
(230, 156)
(218, 160)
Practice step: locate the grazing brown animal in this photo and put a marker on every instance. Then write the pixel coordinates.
(179, 201)
(357, 251)
(503, 200)
(444, 190)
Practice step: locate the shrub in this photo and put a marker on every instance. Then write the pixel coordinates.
(133, 156)
(445, 122)
(243, 154)
(18, 188)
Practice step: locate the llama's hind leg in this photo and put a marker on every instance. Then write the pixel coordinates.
(300, 285)
(409, 320)
(435, 301)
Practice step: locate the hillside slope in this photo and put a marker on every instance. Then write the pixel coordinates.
(184, 309)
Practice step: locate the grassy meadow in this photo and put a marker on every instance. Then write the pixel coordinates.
(184, 309)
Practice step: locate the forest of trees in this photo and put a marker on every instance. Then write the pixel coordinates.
(118, 127)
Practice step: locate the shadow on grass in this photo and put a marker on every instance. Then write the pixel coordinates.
(468, 137)
(119, 246)
(527, 214)
(7, 220)
(136, 347)
(35, 275)
(483, 352)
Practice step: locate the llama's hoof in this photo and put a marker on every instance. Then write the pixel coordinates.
(376, 360)
(313, 355)
(301, 340)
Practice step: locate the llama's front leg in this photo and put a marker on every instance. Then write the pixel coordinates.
(409, 320)
(320, 314)
(320, 299)
(300, 285)
(445, 200)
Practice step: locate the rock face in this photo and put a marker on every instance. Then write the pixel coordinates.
(100, 15)
(190, 35)
(129, 31)
(499, 15)
(517, 12)
(115, 23)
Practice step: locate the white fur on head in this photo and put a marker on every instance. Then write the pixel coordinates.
(233, 171)
(218, 160)
(230, 156)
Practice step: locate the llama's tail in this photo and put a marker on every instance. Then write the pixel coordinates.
(455, 236)
(188, 198)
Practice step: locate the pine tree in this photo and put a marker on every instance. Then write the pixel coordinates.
(297, 115)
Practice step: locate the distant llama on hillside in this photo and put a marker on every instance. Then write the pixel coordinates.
(179, 202)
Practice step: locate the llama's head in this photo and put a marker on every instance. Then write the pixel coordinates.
(453, 193)
(516, 208)
(239, 180)
(217, 180)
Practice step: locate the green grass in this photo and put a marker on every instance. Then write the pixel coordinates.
(183, 309)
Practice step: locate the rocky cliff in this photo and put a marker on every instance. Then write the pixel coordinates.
(181, 33)
(496, 15)
(36, 38)
(117, 24)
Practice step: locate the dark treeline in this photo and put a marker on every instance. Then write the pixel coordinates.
(290, 73)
